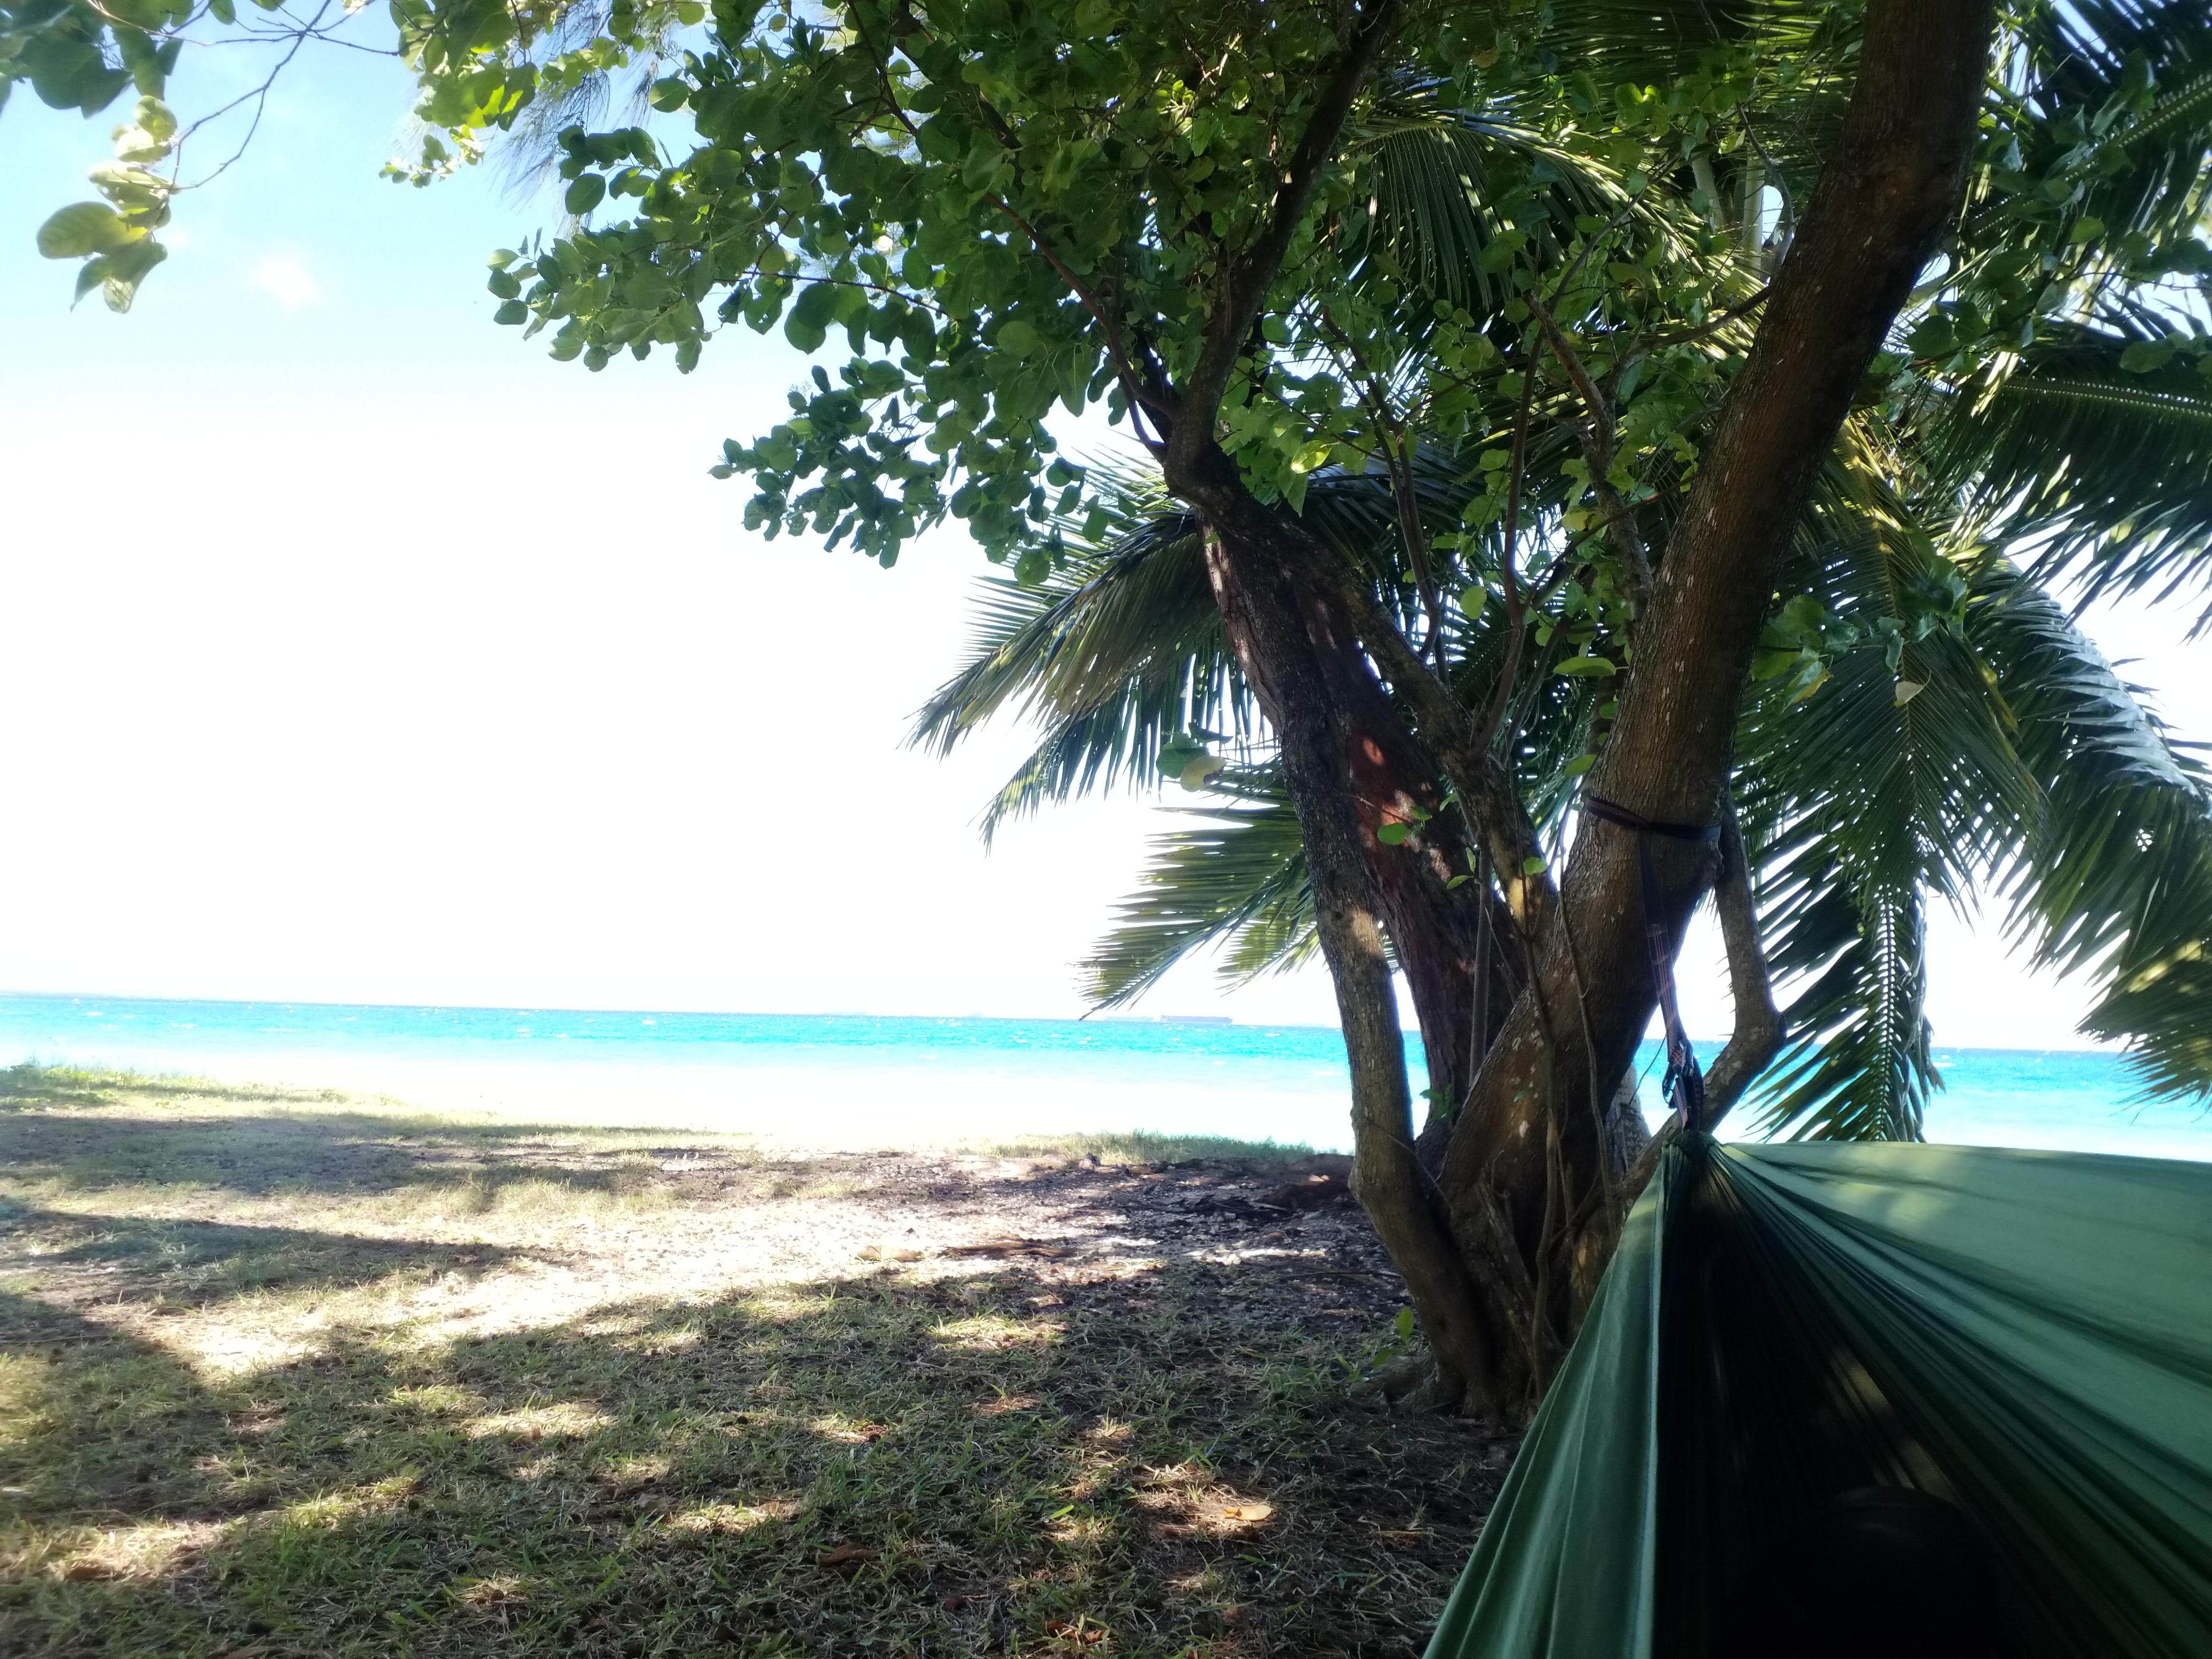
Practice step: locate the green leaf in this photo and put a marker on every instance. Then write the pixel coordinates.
(136, 144)
(589, 189)
(1533, 866)
(2144, 356)
(808, 324)
(1201, 772)
(121, 271)
(987, 162)
(669, 94)
(1394, 835)
(85, 227)
(156, 118)
(131, 189)
(1473, 598)
(1018, 338)
(1587, 665)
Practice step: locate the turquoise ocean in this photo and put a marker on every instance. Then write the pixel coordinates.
(863, 1080)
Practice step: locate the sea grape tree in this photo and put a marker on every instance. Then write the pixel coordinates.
(1601, 301)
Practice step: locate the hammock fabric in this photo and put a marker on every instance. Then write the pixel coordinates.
(2024, 1335)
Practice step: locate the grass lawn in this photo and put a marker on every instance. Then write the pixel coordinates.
(285, 1373)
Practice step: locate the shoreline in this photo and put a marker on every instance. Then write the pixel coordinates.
(892, 1100)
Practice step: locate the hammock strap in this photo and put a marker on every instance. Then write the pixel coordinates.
(1684, 1087)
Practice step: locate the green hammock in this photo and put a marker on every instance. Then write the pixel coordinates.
(2026, 1336)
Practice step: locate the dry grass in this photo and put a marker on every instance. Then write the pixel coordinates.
(290, 1374)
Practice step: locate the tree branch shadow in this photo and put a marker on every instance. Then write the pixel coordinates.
(983, 1464)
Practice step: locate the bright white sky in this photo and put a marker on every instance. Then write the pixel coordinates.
(356, 651)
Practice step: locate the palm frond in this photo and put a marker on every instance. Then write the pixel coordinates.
(1117, 650)
(2116, 881)
(1881, 786)
(1858, 1065)
(1914, 761)
(1656, 40)
(1238, 875)
(1426, 174)
(2103, 469)
(2140, 169)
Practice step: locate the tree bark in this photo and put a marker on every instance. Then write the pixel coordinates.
(1283, 640)
(1452, 944)
(1525, 1154)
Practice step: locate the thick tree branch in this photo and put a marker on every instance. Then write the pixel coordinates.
(1598, 449)
(1894, 178)
(1279, 644)
(1491, 803)
(1758, 1031)
(1253, 272)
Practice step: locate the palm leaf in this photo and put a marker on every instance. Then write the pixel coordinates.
(1238, 874)
(2105, 469)
(1859, 799)
(2140, 171)
(1657, 40)
(1426, 176)
(2116, 881)
(1859, 1067)
(1117, 650)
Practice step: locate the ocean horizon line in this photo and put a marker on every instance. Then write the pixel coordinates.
(863, 1077)
(1095, 1019)
(1098, 1018)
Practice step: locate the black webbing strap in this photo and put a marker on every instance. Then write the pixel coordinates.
(1684, 1086)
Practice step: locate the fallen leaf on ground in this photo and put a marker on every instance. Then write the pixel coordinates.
(845, 1555)
(1083, 1631)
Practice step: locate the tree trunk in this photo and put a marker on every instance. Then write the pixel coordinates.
(1286, 642)
(1501, 1248)
(1523, 1173)
(1453, 945)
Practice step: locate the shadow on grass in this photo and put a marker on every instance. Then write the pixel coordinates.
(328, 1152)
(1011, 1464)
(54, 1141)
(33, 1085)
(49, 1139)
(171, 1264)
